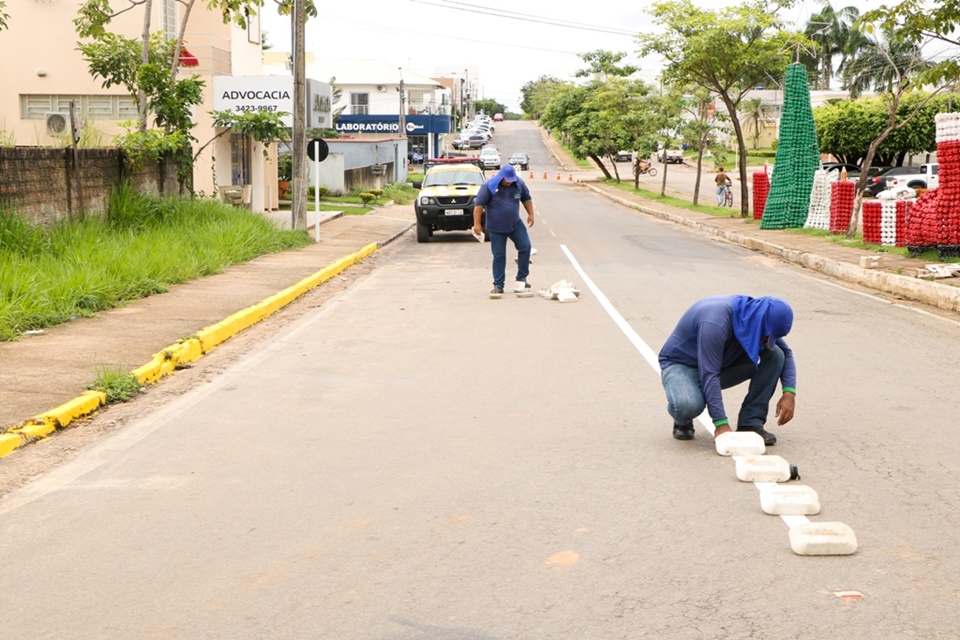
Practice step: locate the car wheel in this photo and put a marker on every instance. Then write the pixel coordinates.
(423, 232)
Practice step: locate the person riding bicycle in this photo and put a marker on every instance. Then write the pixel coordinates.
(723, 184)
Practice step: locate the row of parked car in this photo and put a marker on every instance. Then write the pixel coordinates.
(476, 134)
(883, 178)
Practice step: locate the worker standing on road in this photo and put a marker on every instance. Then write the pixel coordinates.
(502, 196)
(720, 342)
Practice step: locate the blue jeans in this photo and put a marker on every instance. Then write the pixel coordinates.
(498, 245)
(721, 193)
(685, 399)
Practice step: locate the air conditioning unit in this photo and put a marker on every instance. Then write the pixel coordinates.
(58, 124)
(380, 87)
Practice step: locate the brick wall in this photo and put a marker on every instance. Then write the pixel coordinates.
(46, 184)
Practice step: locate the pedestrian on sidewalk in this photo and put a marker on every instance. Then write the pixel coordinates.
(720, 342)
(721, 179)
(501, 197)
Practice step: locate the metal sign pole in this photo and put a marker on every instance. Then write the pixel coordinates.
(316, 189)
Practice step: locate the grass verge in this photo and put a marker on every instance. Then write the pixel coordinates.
(117, 385)
(141, 246)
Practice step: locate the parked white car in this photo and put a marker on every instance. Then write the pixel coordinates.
(489, 158)
(928, 178)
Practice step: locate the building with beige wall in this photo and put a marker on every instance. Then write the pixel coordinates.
(42, 72)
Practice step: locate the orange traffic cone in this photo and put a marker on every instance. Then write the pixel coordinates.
(569, 177)
(558, 175)
(531, 175)
(544, 175)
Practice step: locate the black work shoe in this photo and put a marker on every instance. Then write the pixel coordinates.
(683, 432)
(496, 293)
(769, 439)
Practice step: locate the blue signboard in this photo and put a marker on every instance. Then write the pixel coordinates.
(390, 125)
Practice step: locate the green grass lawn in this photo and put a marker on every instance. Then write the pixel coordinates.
(141, 247)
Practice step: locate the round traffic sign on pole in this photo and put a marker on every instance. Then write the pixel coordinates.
(317, 149)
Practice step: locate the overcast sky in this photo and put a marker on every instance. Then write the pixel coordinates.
(524, 41)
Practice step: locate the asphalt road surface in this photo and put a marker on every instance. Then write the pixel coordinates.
(414, 461)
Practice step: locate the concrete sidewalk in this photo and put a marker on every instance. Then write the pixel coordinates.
(42, 373)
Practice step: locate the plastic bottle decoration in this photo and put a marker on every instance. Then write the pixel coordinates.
(841, 205)
(872, 222)
(761, 189)
(821, 199)
(934, 221)
(798, 157)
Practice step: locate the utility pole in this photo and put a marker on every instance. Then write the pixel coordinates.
(403, 107)
(298, 212)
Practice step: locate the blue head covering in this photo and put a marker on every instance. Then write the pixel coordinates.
(507, 173)
(758, 319)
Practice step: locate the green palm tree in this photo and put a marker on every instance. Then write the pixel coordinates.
(881, 65)
(831, 30)
(753, 112)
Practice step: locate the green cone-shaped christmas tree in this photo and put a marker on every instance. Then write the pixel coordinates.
(798, 157)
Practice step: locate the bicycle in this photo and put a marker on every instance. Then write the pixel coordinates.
(728, 194)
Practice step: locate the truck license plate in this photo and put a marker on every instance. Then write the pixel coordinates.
(454, 212)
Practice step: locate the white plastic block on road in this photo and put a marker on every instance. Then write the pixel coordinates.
(823, 539)
(563, 291)
(789, 500)
(762, 468)
(740, 443)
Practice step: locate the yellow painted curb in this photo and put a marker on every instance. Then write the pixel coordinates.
(66, 413)
(8, 443)
(166, 361)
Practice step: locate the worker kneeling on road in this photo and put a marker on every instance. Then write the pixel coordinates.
(720, 342)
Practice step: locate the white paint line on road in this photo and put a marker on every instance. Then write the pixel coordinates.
(649, 355)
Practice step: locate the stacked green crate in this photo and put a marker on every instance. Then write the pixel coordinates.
(798, 157)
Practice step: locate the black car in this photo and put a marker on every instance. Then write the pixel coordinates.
(878, 183)
(624, 156)
(521, 160)
(840, 166)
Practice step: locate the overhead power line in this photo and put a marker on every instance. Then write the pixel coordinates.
(523, 17)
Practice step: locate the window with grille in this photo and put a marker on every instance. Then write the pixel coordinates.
(360, 104)
(170, 19)
(37, 106)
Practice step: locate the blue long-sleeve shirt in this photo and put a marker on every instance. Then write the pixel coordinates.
(704, 338)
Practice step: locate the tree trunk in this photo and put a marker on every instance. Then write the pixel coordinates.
(742, 147)
(599, 161)
(663, 183)
(696, 182)
(144, 59)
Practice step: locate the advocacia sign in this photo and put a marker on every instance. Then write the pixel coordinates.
(275, 94)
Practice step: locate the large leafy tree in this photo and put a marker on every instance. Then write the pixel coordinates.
(538, 93)
(845, 128)
(4, 16)
(609, 113)
(727, 52)
(489, 106)
(602, 65)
